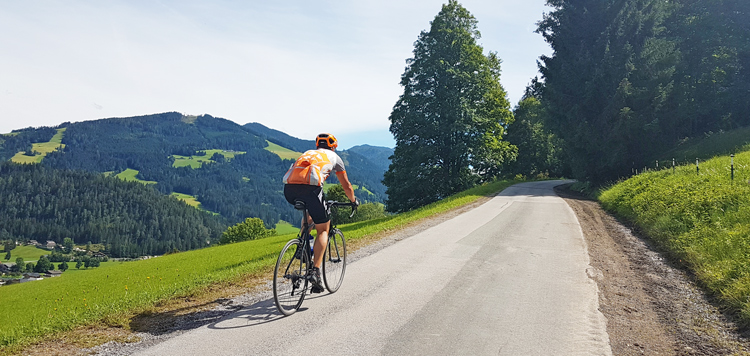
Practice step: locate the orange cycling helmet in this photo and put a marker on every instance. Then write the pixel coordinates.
(326, 140)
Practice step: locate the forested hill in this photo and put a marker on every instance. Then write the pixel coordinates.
(129, 218)
(226, 167)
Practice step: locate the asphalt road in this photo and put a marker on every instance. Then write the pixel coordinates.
(506, 278)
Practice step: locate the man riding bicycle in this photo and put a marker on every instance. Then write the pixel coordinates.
(304, 181)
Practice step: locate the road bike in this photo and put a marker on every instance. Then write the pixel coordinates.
(292, 276)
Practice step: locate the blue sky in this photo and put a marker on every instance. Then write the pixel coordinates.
(298, 66)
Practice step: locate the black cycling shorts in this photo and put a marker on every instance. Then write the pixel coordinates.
(312, 195)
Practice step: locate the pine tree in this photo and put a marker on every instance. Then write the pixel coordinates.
(449, 122)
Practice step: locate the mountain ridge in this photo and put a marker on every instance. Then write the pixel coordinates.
(247, 185)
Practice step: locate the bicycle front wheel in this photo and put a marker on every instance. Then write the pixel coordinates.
(289, 280)
(334, 261)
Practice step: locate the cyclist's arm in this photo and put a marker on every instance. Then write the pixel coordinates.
(348, 189)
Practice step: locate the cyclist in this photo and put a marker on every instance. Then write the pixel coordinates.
(304, 181)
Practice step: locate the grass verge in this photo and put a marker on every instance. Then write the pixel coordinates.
(701, 219)
(115, 294)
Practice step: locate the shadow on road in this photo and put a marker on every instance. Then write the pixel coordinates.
(226, 316)
(533, 189)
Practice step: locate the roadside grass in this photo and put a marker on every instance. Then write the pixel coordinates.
(114, 293)
(28, 253)
(701, 219)
(282, 152)
(204, 156)
(43, 148)
(129, 175)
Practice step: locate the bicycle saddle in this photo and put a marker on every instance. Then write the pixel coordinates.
(299, 205)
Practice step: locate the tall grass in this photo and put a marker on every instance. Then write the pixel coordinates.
(701, 219)
(32, 310)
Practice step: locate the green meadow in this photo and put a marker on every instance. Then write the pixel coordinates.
(29, 253)
(285, 228)
(42, 149)
(197, 161)
(282, 152)
(112, 292)
(701, 218)
(188, 199)
(191, 200)
(130, 176)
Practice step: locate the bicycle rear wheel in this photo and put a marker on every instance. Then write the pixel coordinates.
(334, 261)
(289, 278)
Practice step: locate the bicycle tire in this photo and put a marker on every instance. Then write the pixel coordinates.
(334, 261)
(290, 278)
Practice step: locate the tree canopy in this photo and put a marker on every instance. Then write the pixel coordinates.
(449, 122)
(631, 78)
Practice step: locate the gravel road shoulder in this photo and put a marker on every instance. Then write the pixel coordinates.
(652, 306)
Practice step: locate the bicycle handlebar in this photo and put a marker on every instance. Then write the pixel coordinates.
(354, 206)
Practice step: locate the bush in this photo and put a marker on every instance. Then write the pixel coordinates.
(250, 229)
(368, 211)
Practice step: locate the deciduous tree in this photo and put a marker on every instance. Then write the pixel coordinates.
(449, 122)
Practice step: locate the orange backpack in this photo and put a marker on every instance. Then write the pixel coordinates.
(308, 169)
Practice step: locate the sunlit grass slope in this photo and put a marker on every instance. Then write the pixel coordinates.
(702, 219)
(43, 148)
(197, 161)
(29, 253)
(191, 200)
(109, 292)
(282, 152)
(130, 176)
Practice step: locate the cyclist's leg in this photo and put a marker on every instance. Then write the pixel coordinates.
(321, 242)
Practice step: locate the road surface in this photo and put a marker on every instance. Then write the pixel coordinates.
(506, 278)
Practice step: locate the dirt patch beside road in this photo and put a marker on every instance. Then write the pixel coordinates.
(652, 307)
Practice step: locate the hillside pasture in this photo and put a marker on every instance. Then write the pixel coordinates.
(41, 149)
(282, 152)
(130, 175)
(285, 228)
(115, 292)
(188, 199)
(28, 253)
(197, 161)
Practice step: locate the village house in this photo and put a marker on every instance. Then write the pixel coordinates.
(29, 279)
(50, 245)
(53, 273)
(34, 243)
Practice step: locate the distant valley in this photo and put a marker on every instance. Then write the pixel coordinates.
(226, 170)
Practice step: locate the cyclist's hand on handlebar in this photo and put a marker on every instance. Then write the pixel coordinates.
(355, 203)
